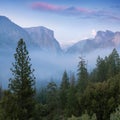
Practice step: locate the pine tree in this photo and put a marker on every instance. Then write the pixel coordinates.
(72, 103)
(65, 81)
(113, 63)
(52, 97)
(1, 92)
(52, 100)
(63, 90)
(82, 75)
(101, 70)
(22, 84)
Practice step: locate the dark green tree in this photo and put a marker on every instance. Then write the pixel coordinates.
(22, 84)
(101, 70)
(64, 90)
(52, 100)
(1, 92)
(65, 81)
(72, 80)
(82, 75)
(41, 96)
(102, 98)
(72, 103)
(113, 63)
(8, 107)
(52, 96)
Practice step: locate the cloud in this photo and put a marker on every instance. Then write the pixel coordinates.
(46, 7)
(117, 6)
(107, 15)
(93, 32)
(114, 17)
(59, 9)
(74, 11)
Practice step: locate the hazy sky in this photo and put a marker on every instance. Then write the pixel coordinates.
(71, 20)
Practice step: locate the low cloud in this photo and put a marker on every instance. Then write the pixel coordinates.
(48, 65)
(93, 32)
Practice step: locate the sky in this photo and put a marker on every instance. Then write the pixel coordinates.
(71, 20)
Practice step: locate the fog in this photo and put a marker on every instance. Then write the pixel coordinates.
(48, 66)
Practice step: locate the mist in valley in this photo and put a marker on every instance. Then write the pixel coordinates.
(48, 66)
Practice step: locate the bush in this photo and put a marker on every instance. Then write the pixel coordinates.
(116, 114)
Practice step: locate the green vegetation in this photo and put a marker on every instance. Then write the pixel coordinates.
(116, 114)
(18, 102)
(84, 117)
(87, 96)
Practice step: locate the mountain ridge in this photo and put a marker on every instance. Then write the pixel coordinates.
(43, 38)
(102, 40)
(10, 33)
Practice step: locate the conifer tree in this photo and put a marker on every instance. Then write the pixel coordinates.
(1, 92)
(64, 89)
(101, 70)
(52, 100)
(113, 63)
(52, 97)
(22, 84)
(82, 75)
(72, 103)
(65, 81)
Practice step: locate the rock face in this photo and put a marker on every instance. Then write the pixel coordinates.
(82, 46)
(10, 33)
(44, 38)
(36, 37)
(102, 40)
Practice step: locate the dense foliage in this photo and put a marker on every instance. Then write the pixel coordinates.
(87, 96)
(18, 102)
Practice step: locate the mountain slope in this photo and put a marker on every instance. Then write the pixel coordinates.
(36, 37)
(10, 33)
(44, 38)
(102, 40)
(82, 46)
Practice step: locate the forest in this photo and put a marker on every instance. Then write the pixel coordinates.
(89, 95)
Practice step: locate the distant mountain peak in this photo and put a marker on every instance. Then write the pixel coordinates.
(10, 33)
(40, 30)
(36, 37)
(104, 33)
(102, 40)
(44, 38)
(104, 36)
(4, 18)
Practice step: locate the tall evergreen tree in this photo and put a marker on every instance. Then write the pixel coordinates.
(72, 103)
(113, 63)
(65, 81)
(101, 70)
(63, 90)
(82, 75)
(52, 100)
(1, 92)
(22, 84)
